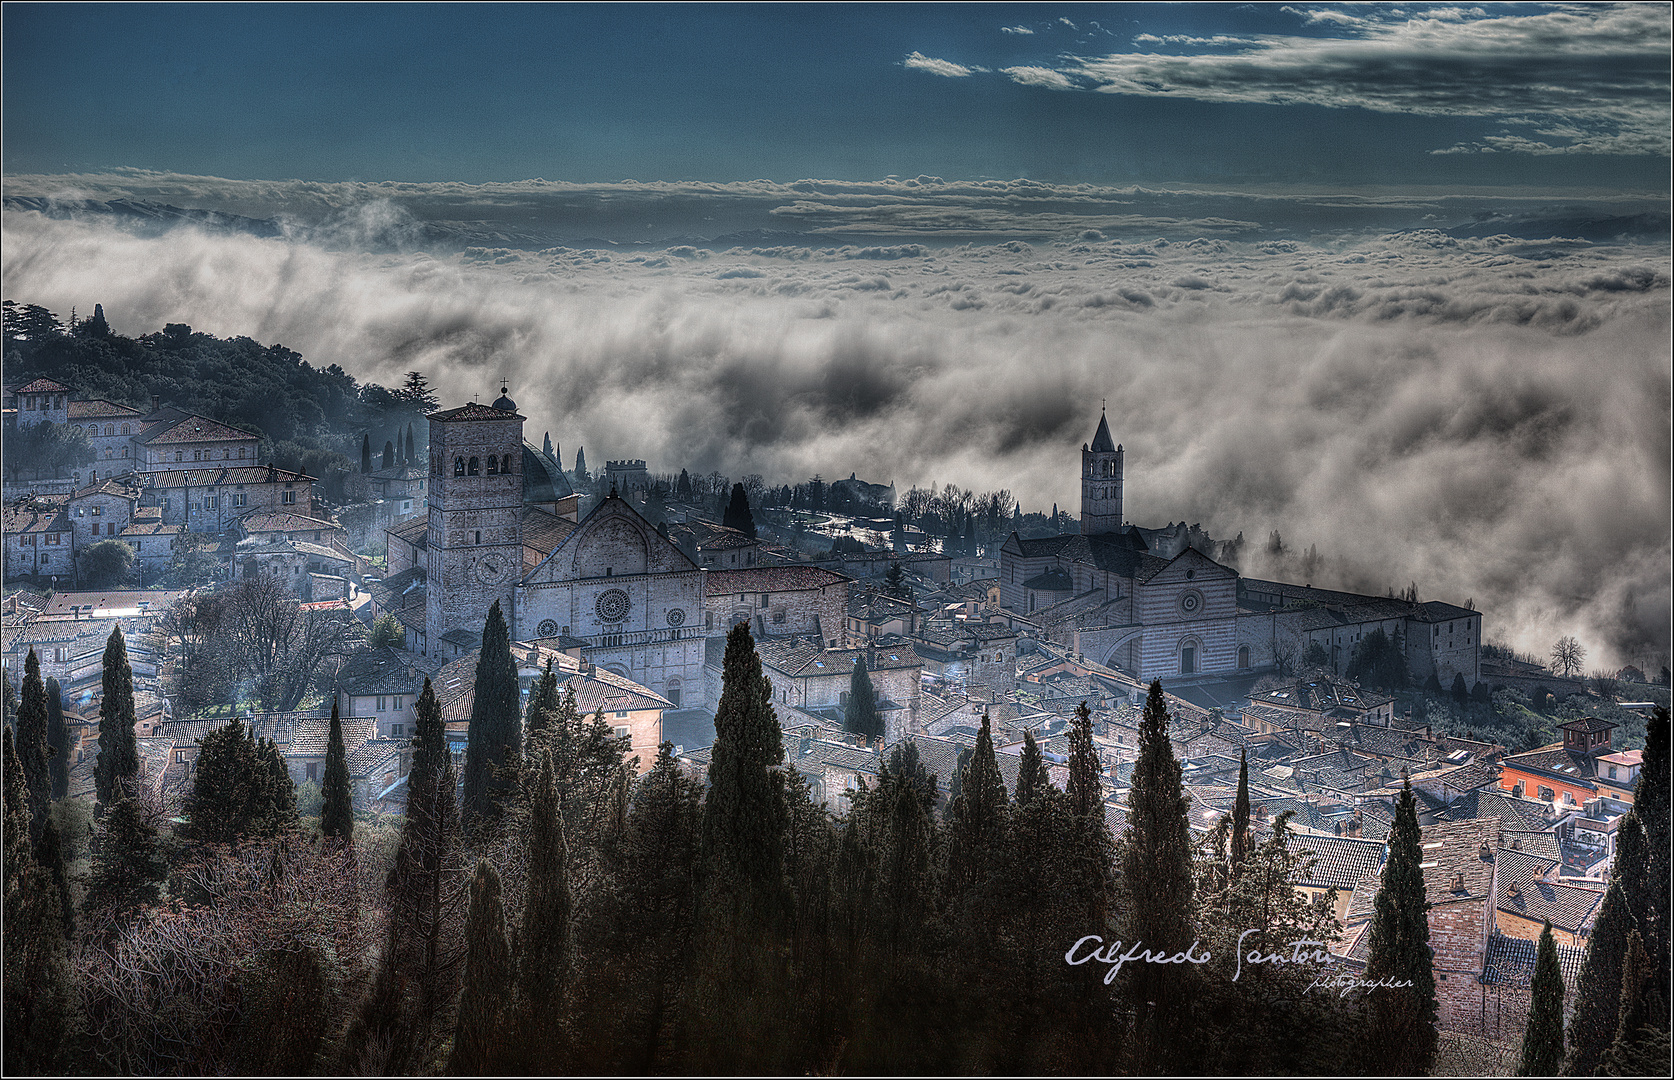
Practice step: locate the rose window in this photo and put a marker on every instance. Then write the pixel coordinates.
(612, 605)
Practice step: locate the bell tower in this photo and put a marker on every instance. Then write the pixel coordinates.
(1101, 483)
(474, 551)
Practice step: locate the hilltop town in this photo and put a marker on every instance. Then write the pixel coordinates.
(881, 626)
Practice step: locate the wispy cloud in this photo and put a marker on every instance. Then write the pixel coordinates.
(946, 68)
(1015, 30)
(1596, 76)
(1040, 76)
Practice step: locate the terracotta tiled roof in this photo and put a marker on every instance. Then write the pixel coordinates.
(282, 521)
(606, 690)
(42, 386)
(197, 429)
(310, 735)
(223, 474)
(1511, 961)
(474, 411)
(100, 409)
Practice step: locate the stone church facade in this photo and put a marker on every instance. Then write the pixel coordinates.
(627, 598)
(1102, 591)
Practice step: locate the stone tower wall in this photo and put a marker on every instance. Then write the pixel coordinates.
(473, 523)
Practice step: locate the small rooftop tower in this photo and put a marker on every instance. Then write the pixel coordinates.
(1101, 482)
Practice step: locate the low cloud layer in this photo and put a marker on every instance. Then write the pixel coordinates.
(1484, 415)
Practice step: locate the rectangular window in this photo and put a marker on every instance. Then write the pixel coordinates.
(397, 730)
(238, 500)
(622, 731)
(287, 497)
(381, 705)
(397, 705)
(180, 756)
(212, 503)
(763, 599)
(313, 770)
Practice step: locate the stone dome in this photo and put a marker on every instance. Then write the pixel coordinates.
(504, 403)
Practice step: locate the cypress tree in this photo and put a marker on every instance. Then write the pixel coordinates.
(1598, 991)
(31, 744)
(58, 740)
(118, 760)
(744, 814)
(1031, 770)
(544, 703)
(1086, 796)
(1156, 867)
(366, 452)
(389, 454)
(977, 817)
(1402, 1026)
(737, 514)
(49, 855)
(496, 736)
(1651, 805)
(398, 1019)
(861, 714)
(337, 814)
(9, 696)
(543, 942)
(1543, 1039)
(39, 1003)
(741, 945)
(411, 458)
(1641, 1044)
(1242, 840)
(479, 1037)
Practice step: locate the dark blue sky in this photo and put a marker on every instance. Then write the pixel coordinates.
(601, 93)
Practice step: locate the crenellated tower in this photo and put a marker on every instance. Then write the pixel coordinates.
(1101, 483)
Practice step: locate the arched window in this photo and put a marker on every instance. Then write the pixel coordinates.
(110, 429)
(125, 451)
(241, 452)
(493, 465)
(459, 466)
(124, 429)
(1243, 656)
(471, 468)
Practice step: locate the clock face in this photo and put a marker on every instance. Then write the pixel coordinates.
(490, 569)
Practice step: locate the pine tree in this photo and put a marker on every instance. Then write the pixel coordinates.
(241, 790)
(1156, 869)
(543, 961)
(737, 514)
(1031, 770)
(1242, 840)
(484, 1001)
(861, 715)
(496, 735)
(337, 813)
(31, 746)
(128, 867)
(366, 452)
(118, 760)
(1543, 1038)
(1402, 1028)
(683, 487)
(1598, 990)
(895, 583)
(58, 740)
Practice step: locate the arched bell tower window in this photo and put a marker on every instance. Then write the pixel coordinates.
(493, 465)
(459, 466)
(505, 463)
(472, 468)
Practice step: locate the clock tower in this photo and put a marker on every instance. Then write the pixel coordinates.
(474, 555)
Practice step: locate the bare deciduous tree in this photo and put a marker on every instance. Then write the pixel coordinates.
(1567, 655)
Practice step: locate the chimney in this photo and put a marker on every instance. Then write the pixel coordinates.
(1513, 891)
(156, 403)
(1458, 883)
